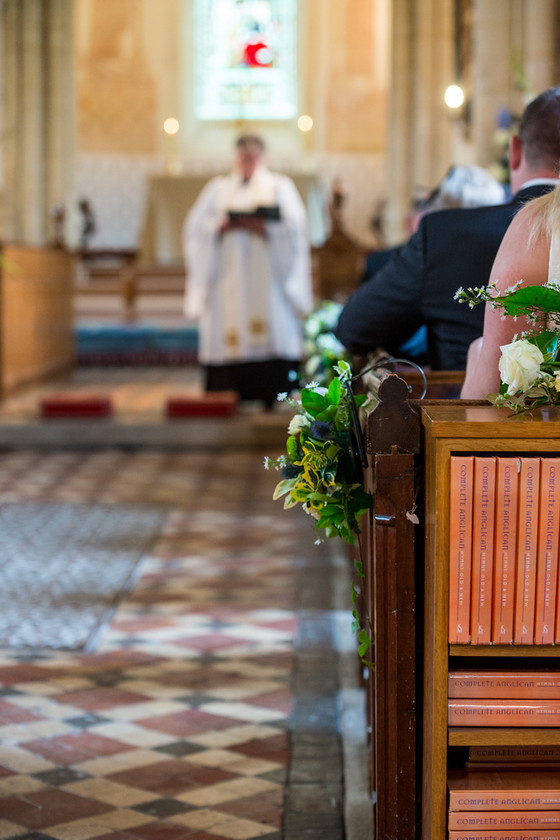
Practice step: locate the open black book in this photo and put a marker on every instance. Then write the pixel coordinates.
(271, 213)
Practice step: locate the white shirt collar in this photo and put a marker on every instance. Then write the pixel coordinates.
(534, 182)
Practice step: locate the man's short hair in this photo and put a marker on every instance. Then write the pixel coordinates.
(539, 130)
(245, 141)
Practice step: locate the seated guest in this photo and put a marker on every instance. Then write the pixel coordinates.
(462, 186)
(452, 248)
(530, 252)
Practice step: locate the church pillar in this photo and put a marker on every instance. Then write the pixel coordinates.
(400, 118)
(38, 114)
(433, 72)
(539, 21)
(420, 131)
(492, 72)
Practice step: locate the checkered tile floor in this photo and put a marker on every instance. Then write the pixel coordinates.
(175, 727)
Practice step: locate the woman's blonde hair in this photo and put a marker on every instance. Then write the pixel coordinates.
(544, 214)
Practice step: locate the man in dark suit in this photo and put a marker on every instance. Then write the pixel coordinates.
(452, 248)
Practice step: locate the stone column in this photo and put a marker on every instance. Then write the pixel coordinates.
(400, 143)
(539, 21)
(433, 72)
(420, 133)
(492, 72)
(37, 75)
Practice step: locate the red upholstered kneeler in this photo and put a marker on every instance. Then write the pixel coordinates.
(210, 404)
(76, 405)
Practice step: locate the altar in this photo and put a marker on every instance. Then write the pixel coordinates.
(170, 197)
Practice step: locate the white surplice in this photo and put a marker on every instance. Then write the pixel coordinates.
(248, 292)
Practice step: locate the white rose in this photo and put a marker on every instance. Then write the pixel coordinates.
(519, 365)
(297, 423)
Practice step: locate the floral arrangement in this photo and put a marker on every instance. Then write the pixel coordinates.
(321, 469)
(530, 365)
(322, 350)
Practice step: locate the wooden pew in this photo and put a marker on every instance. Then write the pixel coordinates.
(392, 545)
(36, 315)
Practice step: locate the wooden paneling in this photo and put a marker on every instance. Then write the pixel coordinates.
(36, 314)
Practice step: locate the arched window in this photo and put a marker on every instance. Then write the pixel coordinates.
(245, 54)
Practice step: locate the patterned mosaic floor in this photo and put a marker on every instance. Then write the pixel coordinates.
(175, 727)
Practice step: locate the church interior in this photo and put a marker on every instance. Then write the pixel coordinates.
(205, 682)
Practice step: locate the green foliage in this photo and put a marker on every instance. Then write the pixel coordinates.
(318, 461)
(541, 305)
(320, 470)
(322, 349)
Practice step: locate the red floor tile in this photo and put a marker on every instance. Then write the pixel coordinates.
(15, 714)
(169, 778)
(71, 749)
(141, 625)
(93, 699)
(48, 807)
(189, 722)
(275, 748)
(214, 642)
(11, 674)
(278, 700)
(119, 659)
(265, 808)
(162, 831)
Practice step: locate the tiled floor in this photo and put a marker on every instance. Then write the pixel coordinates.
(176, 726)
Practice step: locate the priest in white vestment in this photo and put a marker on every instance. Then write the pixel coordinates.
(248, 276)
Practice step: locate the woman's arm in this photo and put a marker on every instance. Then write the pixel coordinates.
(516, 260)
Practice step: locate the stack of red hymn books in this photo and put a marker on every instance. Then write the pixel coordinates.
(504, 585)
(505, 805)
(504, 698)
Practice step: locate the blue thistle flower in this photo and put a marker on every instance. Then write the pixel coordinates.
(321, 430)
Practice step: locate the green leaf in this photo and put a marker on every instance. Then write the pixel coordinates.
(524, 300)
(329, 413)
(360, 399)
(283, 487)
(292, 448)
(334, 392)
(313, 402)
(299, 494)
(365, 642)
(547, 342)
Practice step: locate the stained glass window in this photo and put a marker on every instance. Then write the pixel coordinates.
(245, 59)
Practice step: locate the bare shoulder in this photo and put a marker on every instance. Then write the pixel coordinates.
(518, 257)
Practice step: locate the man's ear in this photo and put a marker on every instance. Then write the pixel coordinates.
(515, 152)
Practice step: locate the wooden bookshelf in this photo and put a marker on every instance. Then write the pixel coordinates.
(518, 736)
(452, 429)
